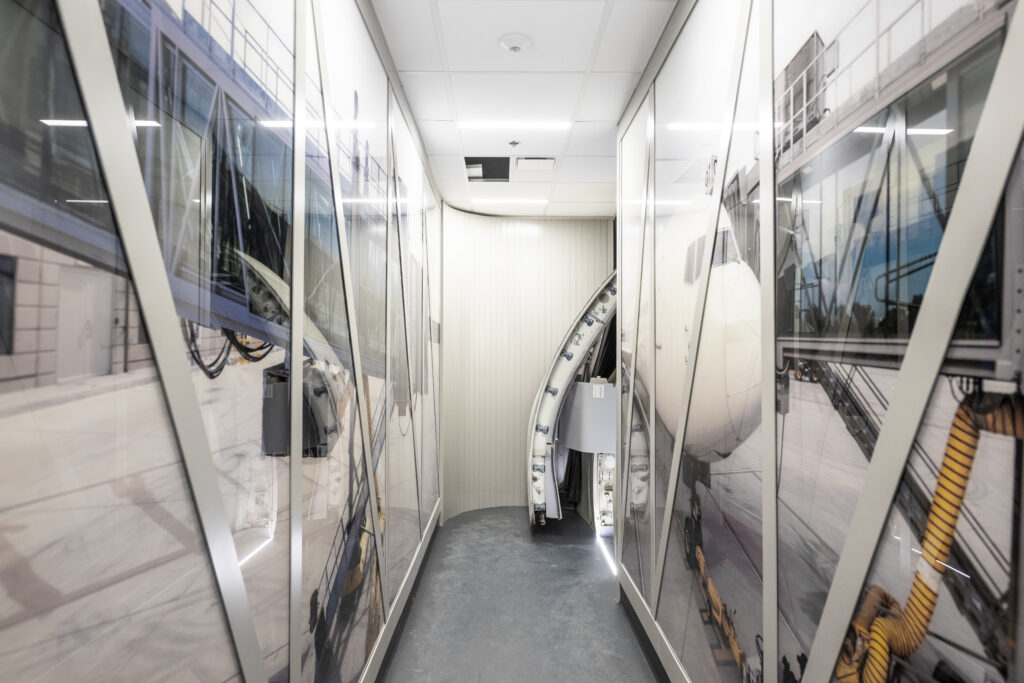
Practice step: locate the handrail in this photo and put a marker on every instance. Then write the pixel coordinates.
(786, 128)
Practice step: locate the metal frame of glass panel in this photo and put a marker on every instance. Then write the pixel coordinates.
(987, 171)
(769, 474)
(94, 67)
(298, 296)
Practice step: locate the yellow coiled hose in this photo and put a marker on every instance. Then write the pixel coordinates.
(901, 630)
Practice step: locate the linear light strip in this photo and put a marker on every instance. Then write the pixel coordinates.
(79, 123)
(514, 125)
(879, 130)
(498, 200)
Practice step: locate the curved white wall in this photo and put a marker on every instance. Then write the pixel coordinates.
(511, 289)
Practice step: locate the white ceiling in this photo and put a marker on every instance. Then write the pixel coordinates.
(583, 64)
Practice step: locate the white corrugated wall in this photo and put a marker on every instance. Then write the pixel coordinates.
(512, 287)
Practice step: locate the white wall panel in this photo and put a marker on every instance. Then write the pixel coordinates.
(512, 287)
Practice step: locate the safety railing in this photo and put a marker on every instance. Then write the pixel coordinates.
(882, 39)
(249, 48)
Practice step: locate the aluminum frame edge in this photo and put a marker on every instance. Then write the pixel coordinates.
(769, 488)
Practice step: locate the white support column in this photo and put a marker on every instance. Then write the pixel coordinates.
(94, 68)
(992, 154)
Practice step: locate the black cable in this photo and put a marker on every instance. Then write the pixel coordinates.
(211, 370)
(249, 353)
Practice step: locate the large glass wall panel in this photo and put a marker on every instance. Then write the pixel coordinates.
(411, 217)
(104, 574)
(210, 88)
(635, 201)
(427, 340)
(942, 597)
(868, 167)
(402, 498)
(969, 620)
(359, 104)
(710, 605)
(341, 580)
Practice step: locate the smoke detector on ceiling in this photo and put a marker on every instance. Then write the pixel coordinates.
(515, 42)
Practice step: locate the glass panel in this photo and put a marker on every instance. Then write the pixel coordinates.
(411, 210)
(942, 596)
(860, 215)
(711, 595)
(359, 93)
(429, 485)
(213, 86)
(955, 510)
(104, 572)
(403, 511)
(635, 402)
(341, 580)
(359, 101)
(636, 533)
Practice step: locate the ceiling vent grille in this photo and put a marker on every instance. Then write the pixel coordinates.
(535, 164)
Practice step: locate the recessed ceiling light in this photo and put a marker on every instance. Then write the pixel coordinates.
(500, 200)
(515, 42)
(515, 125)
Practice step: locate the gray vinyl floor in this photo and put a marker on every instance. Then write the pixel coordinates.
(498, 602)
